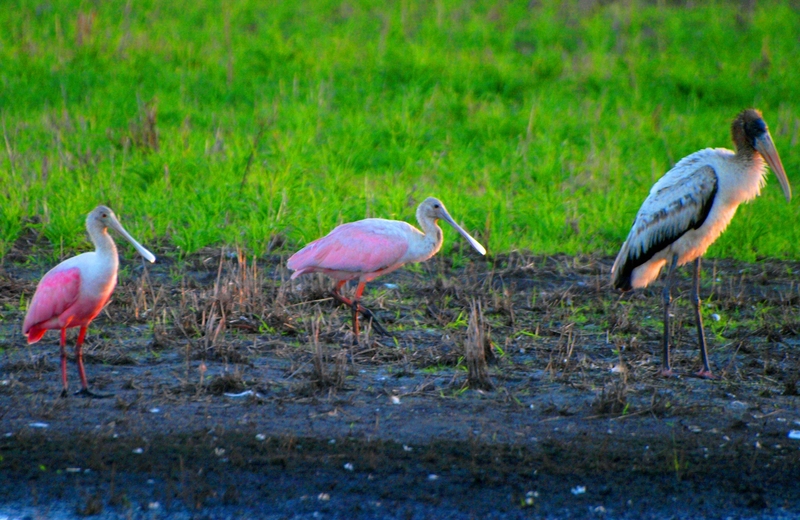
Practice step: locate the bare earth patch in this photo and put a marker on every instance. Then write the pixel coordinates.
(240, 394)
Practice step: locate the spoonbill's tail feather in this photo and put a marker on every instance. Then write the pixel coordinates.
(35, 334)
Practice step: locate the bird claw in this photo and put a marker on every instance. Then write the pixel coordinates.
(706, 374)
(85, 392)
(669, 373)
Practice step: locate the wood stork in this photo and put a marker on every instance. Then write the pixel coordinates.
(688, 209)
(368, 248)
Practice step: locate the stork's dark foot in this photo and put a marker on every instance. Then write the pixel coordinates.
(705, 374)
(85, 392)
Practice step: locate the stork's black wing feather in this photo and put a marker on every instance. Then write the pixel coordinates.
(679, 202)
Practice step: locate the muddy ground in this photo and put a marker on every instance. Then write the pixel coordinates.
(239, 394)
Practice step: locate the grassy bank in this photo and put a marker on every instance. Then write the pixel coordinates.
(541, 125)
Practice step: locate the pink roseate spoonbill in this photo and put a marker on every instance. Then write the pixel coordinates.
(689, 208)
(368, 248)
(75, 291)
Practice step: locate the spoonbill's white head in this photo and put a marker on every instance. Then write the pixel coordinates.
(432, 209)
(102, 218)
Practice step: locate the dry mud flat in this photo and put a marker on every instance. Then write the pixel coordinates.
(238, 394)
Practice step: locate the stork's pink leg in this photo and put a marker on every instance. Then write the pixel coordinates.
(666, 369)
(64, 361)
(84, 391)
(704, 372)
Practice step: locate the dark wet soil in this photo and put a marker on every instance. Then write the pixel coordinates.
(239, 394)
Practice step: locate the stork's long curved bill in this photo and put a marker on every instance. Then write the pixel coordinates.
(474, 243)
(766, 148)
(139, 247)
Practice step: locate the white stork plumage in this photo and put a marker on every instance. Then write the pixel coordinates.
(688, 209)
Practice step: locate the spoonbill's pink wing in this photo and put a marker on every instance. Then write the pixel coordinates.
(56, 292)
(362, 247)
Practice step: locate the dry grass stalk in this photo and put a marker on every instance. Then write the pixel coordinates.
(227, 382)
(144, 131)
(321, 376)
(476, 346)
(562, 354)
(83, 27)
(613, 399)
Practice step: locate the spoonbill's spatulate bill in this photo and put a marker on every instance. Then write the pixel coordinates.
(368, 248)
(688, 209)
(76, 290)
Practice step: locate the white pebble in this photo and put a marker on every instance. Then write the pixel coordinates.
(794, 435)
(324, 497)
(395, 399)
(261, 437)
(349, 466)
(578, 490)
(407, 448)
(138, 451)
(715, 317)
(153, 505)
(73, 470)
(39, 425)
(433, 477)
(154, 410)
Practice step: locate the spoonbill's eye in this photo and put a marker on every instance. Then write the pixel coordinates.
(435, 206)
(104, 215)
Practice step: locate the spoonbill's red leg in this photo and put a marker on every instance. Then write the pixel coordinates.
(64, 361)
(84, 391)
(355, 304)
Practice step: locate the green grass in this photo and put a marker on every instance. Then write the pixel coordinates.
(541, 128)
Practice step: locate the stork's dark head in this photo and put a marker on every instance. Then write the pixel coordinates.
(746, 128)
(751, 135)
